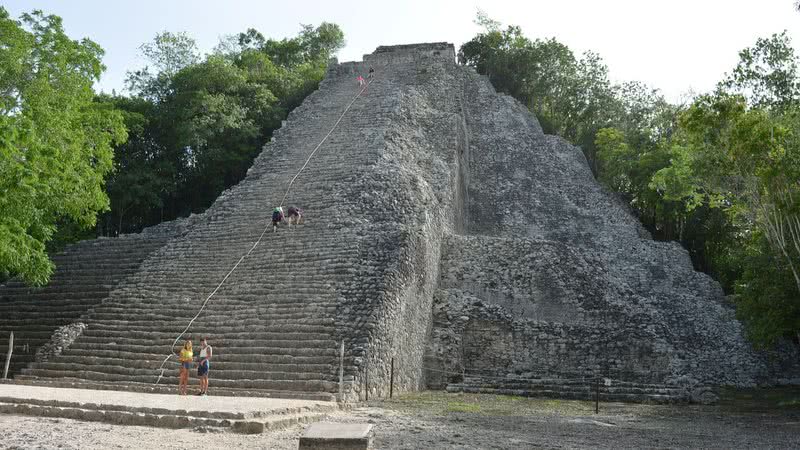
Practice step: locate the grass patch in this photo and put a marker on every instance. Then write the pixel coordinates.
(442, 403)
(463, 407)
(777, 399)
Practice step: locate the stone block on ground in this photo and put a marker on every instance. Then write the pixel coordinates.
(336, 436)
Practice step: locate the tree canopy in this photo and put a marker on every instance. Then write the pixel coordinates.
(196, 123)
(56, 142)
(189, 129)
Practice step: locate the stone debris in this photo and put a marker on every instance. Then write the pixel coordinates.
(60, 341)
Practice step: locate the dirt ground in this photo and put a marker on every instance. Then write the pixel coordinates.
(430, 420)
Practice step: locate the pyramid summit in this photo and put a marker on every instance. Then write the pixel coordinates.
(443, 230)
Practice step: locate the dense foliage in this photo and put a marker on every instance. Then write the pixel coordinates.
(196, 123)
(189, 129)
(720, 174)
(56, 142)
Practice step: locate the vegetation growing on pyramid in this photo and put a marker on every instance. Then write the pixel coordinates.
(719, 173)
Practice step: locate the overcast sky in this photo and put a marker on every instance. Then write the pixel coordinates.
(677, 46)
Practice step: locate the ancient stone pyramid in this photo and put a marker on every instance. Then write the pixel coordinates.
(443, 230)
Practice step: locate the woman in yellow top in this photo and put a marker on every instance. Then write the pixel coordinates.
(185, 358)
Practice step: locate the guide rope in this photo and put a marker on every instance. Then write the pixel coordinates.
(289, 187)
(291, 182)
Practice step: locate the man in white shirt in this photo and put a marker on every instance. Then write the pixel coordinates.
(203, 366)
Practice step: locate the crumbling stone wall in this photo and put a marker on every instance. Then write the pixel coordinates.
(564, 265)
(408, 200)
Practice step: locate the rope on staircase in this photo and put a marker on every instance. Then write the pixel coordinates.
(289, 187)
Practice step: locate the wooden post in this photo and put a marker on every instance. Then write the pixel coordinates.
(8, 355)
(366, 378)
(341, 372)
(391, 379)
(597, 395)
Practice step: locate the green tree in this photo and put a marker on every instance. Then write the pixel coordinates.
(143, 173)
(570, 96)
(55, 140)
(168, 53)
(197, 125)
(767, 74)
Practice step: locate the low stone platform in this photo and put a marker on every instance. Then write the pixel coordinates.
(242, 414)
(336, 436)
(150, 388)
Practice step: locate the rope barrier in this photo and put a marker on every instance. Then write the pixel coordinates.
(491, 377)
(289, 187)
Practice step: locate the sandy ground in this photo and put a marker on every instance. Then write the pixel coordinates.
(438, 420)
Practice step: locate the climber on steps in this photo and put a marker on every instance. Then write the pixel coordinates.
(294, 214)
(277, 217)
(371, 73)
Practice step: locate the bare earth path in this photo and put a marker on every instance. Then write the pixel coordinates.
(439, 420)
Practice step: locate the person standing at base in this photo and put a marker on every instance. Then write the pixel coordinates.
(203, 365)
(185, 357)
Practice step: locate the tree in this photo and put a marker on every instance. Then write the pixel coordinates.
(196, 125)
(767, 74)
(55, 140)
(746, 161)
(168, 53)
(570, 96)
(143, 174)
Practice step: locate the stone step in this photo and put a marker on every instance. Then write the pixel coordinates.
(587, 386)
(120, 254)
(151, 388)
(239, 379)
(293, 348)
(576, 381)
(166, 417)
(26, 334)
(31, 323)
(71, 356)
(226, 304)
(85, 293)
(268, 311)
(255, 314)
(217, 335)
(233, 323)
(572, 393)
(132, 367)
(34, 306)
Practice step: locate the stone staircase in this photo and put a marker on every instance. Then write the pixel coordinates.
(574, 389)
(85, 275)
(273, 322)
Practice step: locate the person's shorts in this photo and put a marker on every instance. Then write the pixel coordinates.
(187, 365)
(202, 370)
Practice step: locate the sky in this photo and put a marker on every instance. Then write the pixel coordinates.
(678, 46)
